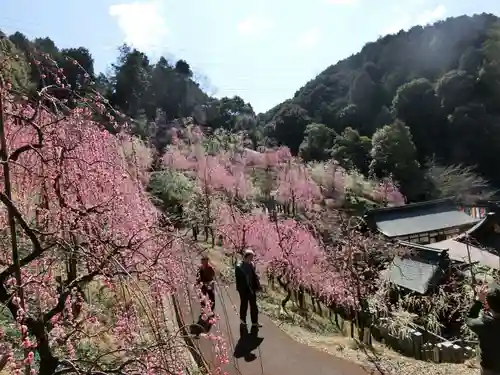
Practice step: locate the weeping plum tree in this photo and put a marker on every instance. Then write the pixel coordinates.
(214, 174)
(304, 247)
(76, 218)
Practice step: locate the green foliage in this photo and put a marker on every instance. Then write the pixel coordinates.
(183, 68)
(171, 190)
(352, 151)
(289, 126)
(394, 155)
(131, 78)
(140, 126)
(442, 81)
(222, 140)
(8, 325)
(317, 143)
(134, 85)
(417, 105)
(230, 113)
(15, 68)
(76, 62)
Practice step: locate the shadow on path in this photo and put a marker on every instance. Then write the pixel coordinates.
(201, 326)
(247, 343)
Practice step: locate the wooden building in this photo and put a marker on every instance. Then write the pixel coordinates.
(480, 244)
(421, 223)
(480, 208)
(420, 271)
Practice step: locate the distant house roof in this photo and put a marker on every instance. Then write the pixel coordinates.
(419, 217)
(419, 270)
(458, 251)
(483, 241)
(486, 233)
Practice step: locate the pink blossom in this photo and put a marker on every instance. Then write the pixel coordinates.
(386, 191)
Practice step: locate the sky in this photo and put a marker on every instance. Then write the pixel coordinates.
(263, 51)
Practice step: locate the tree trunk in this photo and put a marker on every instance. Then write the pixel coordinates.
(285, 286)
(4, 156)
(300, 298)
(195, 232)
(205, 230)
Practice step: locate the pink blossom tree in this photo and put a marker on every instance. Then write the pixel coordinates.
(331, 178)
(321, 252)
(387, 193)
(286, 249)
(352, 281)
(296, 189)
(221, 174)
(77, 219)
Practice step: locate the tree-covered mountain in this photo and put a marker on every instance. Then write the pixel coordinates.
(430, 92)
(135, 86)
(150, 95)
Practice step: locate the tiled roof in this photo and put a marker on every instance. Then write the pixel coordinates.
(419, 218)
(485, 234)
(458, 251)
(483, 241)
(417, 271)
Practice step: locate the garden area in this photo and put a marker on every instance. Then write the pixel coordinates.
(301, 219)
(97, 225)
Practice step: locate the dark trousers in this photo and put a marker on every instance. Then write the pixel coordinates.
(210, 293)
(245, 300)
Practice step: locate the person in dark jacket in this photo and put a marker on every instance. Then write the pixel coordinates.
(206, 279)
(248, 284)
(487, 327)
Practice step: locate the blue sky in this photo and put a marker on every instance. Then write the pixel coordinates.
(261, 50)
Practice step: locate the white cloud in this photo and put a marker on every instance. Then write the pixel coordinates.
(142, 23)
(254, 26)
(405, 21)
(309, 39)
(431, 16)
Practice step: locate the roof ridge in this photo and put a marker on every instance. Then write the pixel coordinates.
(413, 205)
(489, 216)
(420, 246)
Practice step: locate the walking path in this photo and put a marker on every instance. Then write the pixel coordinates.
(269, 351)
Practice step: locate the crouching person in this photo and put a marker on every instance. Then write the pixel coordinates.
(206, 279)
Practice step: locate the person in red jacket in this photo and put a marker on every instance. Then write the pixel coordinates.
(206, 279)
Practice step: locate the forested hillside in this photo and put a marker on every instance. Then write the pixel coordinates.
(437, 87)
(418, 106)
(152, 94)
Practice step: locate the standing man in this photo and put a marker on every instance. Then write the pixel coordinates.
(487, 327)
(206, 278)
(248, 284)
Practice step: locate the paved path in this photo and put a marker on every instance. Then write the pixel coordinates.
(277, 354)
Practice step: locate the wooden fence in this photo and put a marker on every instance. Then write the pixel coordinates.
(417, 343)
